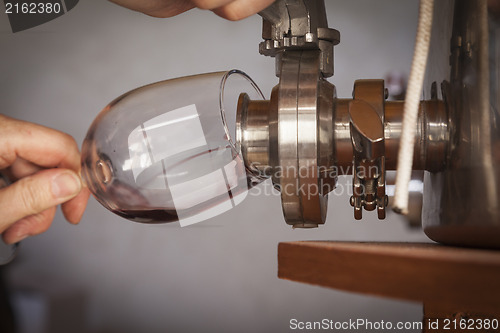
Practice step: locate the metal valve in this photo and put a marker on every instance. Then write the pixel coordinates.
(304, 136)
(298, 25)
(303, 142)
(304, 126)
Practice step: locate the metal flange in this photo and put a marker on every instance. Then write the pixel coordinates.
(300, 145)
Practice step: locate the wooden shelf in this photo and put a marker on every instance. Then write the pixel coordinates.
(441, 277)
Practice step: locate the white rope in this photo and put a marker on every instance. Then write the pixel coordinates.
(412, 102)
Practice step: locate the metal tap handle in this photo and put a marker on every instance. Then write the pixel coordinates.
(300, 25)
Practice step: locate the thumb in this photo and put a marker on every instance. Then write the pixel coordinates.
(36, 193)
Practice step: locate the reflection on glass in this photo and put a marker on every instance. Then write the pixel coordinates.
(165, 152)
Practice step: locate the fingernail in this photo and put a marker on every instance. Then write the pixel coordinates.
(19, 238)
(12, 239)
(65, 185)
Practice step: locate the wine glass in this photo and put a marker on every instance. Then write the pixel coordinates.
(167, 152)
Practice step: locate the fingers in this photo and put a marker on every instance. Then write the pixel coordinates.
(36, 193)
(240, 9)
(73, 209)
(28, 205)
(29, 226)
(233, 10)
(157, 8)
(230, 9)
(43, 146)
(210, 4)
(20, 168)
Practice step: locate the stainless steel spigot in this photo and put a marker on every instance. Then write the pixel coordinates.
(305, 126)
(303, 137)
(301, 148)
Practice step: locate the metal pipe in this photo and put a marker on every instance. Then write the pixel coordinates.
(431, 137)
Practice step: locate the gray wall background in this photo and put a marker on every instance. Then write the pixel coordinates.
(220, 275)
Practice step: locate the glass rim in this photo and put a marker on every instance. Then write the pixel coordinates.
(234, 143)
